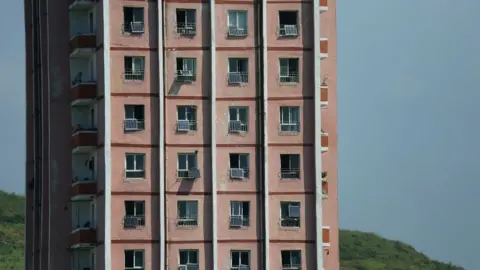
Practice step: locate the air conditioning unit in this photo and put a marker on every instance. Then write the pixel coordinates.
(130, 222)
(137, 27)
(236, 221)
(183, 125)
(237, 173)
(194, 173)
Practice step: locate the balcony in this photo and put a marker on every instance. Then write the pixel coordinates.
(186, 125)
(82, 260)
(185, 76)
(237, 77)
(324, 141)
(239, 173)
(323, 5)
(323, 96)
(77, 5)
(83, 189)
(186, 29)
(133, 125)
(237, 222)
(323, 48)
(234, 32)
(83, 237)
(84, 139)
(83, 91)
(82, 45)
(236, 126)
(324, 185)
(187, 222)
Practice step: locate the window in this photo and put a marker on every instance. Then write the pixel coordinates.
(187, 214)
(188, 259)
(289, 166)
(289, 70)
(239, 214)
(237, 119)
(186, 69)
(290, 119)
(240, 259)
(187, 165)
(237, 70)
(186, 118)
(134, 118)
(134, 259)
(134, 68)
(237, 23)
(133, 20)
(186, 21)
(134, 214)
(288, 21)
(290, 214)
(291, 259)
(239, 166)
(135, 165)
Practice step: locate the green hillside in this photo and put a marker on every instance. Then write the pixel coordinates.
(358, 250)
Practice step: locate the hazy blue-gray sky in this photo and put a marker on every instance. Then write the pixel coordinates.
(408, 110)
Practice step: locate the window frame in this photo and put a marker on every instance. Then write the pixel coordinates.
(237, 14)
(187, 167)
(291, 252)
(237, 61)
(187, 204)
(135, 169)
(240, 163)
(197, 253)
(240, 258)
(134, 251)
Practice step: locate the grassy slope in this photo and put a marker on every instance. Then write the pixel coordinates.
(358, 250)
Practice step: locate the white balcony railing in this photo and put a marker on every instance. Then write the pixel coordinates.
(236, 126)
(237, 77)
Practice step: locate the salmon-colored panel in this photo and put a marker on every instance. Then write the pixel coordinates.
(120, 83)
(304, 24)
(308, 254)
(82, 42)
(84, 91)
(199, 232)
(204, 254)
(226, 87)
(324, 94)
(84, 139)
(326, 235)
(324, 46)
(83, 236)
(200, 128)
(306, 134)
(224, 180)
(325, 187)
(80, 188)
(324, 3)
(202, 183)
(324, 140)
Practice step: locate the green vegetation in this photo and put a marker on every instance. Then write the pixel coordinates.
(358, 250)
(368, 251)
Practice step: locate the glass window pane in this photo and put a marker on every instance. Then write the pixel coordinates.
(244, 161)
(235, 259)
(244, 258)
(192, 161)
(193, 258)
(181, 113)
(232, 18)
(183, 257)
(234, 161)
(232, 113)
(182, 162)
(242, 19)
(285, 257)
(128, 258)
(295, 114)
(129, 112)
(243, 115)
(139, 258)
(191, 14)
(296, 258)
(130, 162)
(284, 114)
(140, 162)
(140, 208)
(129, 208)
(181, 209)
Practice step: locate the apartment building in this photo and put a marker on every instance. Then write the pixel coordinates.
(181, 135)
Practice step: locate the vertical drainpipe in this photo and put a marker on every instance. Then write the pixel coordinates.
(107, 140)
(264, 74)
(161, 144)
(318, 135)
(49, 137)
(213, 121)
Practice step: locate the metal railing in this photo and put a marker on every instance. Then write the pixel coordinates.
(133, 125)
(235, 126)
(234, 31)
(240, 267)
(186, 125)
(77, 179)
(290, 173)
(290, 222)
(290, 77)
(239, 173)
(187, 221)
(84, 128)
(192, 173)
(133, 221)
(134, 27)
(237, 77)
(292, 267)
(79, 78)
(239, 221)
(134, 75)
(88, 224)
(134, 173)
(186, 28)
(188, 267)
(288, 30)
(290, 127)
(185, 76)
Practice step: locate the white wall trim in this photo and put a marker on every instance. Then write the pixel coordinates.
(213, 120)
(161, 123)
(318, 135)
(49, 138)
(107, 141)
(265, 136)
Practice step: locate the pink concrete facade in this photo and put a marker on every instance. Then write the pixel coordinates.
(95, 187)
